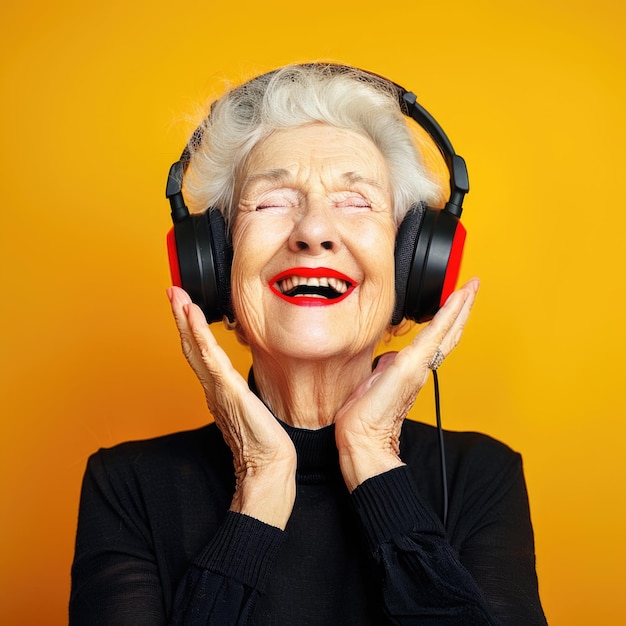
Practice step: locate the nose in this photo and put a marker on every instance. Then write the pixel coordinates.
(315, 229)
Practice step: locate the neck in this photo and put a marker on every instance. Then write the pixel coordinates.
(308, 394)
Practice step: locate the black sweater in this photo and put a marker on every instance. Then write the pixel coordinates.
(156, 543)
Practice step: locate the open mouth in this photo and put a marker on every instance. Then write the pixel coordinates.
(307, 286)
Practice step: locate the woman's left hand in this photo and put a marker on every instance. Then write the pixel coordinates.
(367, 427)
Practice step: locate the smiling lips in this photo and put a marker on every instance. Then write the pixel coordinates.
(307, 286)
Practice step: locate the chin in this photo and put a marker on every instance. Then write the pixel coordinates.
(314, 340)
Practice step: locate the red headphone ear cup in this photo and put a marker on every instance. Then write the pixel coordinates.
(172, 255)
(200, 258)
(435, 263)
(453, 267)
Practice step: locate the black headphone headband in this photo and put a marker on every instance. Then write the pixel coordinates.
(428, 246)
(459, 181)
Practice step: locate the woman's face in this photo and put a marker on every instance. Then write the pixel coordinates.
(313, 240)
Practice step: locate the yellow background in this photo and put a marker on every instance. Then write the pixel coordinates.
(94, 103)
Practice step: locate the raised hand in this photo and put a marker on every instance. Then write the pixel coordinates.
(367, 427)
(263, 454)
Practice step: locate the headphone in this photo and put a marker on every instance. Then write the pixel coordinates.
(429, 243)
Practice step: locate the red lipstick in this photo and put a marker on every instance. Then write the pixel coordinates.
(297, 289)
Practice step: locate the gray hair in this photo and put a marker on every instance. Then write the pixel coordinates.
(292, 96)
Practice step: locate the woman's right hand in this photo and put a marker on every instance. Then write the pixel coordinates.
(263, 454)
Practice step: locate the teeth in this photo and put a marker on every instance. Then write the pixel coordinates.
(338, 285)
(290, 283)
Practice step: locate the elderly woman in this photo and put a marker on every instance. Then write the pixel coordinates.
(333, 513)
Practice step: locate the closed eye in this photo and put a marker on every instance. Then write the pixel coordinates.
(356, 202)
(277, 199)
(353, 202)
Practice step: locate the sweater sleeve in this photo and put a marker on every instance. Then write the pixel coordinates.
(222, 585)
(424, 580)
(116, 577)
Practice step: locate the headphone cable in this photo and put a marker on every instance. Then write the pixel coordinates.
(442, 450)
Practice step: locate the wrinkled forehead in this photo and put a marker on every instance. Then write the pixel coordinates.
(340, 156)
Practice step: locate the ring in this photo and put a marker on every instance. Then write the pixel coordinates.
(437, 359)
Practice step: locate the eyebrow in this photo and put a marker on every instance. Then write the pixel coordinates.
(277, 175)
(354, 177)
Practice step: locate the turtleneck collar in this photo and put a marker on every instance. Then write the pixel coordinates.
(318, 459)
